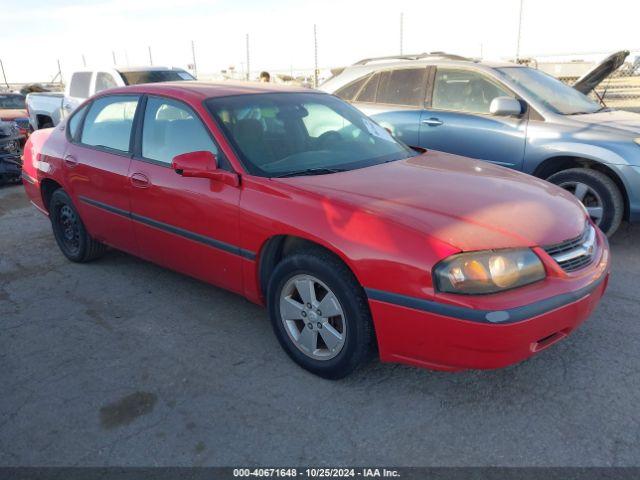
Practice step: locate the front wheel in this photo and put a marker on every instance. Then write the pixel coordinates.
(597, 192)
(71, 236)
(320, 313)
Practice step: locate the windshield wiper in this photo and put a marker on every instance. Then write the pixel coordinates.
(310, 171)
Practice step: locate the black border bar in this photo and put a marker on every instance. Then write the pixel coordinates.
(196, 237)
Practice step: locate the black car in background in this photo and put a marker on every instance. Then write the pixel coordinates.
(10, 152)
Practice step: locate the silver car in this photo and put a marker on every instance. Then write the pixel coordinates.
(511, 115)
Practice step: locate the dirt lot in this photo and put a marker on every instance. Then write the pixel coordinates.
(120, 362)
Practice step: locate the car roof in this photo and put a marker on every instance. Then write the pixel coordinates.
(377, 65)
(204, 90)
(147, 69)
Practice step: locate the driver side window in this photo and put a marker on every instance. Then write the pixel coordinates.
(464, 91)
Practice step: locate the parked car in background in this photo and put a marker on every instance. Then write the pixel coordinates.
(510, 115)
(48, 108)
(10, 151)
(13, 109)
(297, 200)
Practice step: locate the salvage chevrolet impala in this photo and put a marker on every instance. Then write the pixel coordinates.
(354, 242)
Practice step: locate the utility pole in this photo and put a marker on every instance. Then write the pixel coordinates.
(193, 55)
(150, 58)
(248, 58)
(113, 54)
(84, 61)
(315, 56)
(401, 31)
(519, 32)
(4, 76)
(60, 72)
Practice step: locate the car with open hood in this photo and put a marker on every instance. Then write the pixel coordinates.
(13, 109)
(10, 151)
(294, 199)
(510, 115)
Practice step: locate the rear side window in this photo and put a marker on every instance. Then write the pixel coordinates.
(368, 93)
(171, 128)
(109, 121)
(349, 91)
(104, 81)
(74, 122)
(154, 76)
(79, 86)
(403, 87)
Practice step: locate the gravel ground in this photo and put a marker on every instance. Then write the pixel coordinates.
(120, 362)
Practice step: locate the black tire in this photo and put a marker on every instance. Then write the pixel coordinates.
(331, 271)
(605, 187)
(69, 231)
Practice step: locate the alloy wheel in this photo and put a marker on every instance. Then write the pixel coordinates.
(313, 317)
(589, 198)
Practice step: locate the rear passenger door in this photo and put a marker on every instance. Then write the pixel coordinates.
(395, 99)
(184, 223)
(458, 120)
(96, 167)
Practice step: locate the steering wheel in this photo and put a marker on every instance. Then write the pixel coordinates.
(328, 138)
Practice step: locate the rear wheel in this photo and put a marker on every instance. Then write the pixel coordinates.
(320, 313)
(597, 192)
(69, 231)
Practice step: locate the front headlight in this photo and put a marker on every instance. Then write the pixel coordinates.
(489, 271)
(637, 140)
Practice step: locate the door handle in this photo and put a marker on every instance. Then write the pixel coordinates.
(432, 122)
(70, 161)
(139, 180)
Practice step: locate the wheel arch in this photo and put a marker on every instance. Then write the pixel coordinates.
(556, 164)
(43, 119)
(47, 187)
(278, 247)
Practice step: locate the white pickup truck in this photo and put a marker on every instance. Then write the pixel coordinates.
(48, 108)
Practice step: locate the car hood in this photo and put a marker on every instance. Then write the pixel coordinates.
(597, 74)
(615, 119)
(13, 114)
(469, 204)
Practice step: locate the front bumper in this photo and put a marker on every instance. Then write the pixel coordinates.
(441, 337)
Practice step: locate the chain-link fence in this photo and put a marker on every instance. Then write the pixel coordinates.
(620, 90)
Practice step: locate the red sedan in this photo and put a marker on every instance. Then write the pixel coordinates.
(351, 239)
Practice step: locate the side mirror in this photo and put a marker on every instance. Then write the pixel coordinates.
(195, 164)
(203, 164)
(505, 106)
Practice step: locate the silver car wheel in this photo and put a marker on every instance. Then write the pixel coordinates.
(589, 198)
(312, 317)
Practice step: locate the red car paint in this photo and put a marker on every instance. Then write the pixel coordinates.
(390, 224)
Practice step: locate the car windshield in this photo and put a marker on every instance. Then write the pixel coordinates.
(286, 134)
(155, 76)
(549, 91)
(11, 102)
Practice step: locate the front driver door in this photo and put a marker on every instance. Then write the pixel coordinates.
(187, 224)
(458, 119)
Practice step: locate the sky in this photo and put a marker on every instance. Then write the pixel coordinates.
(35, 34)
